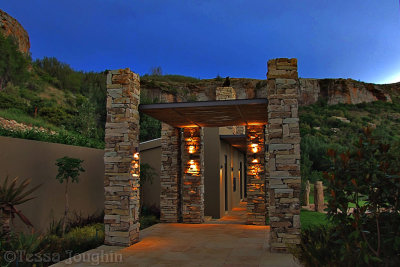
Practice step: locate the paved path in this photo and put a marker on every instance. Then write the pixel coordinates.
(224, 242)
(190, 245)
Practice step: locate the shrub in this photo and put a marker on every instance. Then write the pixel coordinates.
(77, 240)
(367, 178)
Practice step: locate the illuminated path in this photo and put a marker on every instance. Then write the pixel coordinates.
(225, 243)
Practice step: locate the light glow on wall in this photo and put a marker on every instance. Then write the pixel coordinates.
(193, 167)
(135, 165)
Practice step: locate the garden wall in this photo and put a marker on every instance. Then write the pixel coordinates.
(36, 160)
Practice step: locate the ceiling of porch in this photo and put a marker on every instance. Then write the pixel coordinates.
(209, 113)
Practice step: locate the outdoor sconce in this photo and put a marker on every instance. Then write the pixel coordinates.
(193, 167)
(254, 148)
(135, 165)
(191, 145)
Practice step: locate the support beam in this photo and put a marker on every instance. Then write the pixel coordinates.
(283, 175)
(121, 159)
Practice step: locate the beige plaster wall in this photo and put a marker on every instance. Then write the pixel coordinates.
(212, 194)
(150, 152)
(36, 160)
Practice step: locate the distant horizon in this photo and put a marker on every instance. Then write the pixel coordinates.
(333, 40)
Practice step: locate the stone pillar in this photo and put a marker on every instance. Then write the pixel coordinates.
(318, 196)
(228, 93)
(121, 159)
(193, 175)
(283, 173)
(170, 174)
(256, 198)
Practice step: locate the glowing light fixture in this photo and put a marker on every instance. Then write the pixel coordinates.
(193, 167)
(254, 148)
(255, 160)
(191, 144)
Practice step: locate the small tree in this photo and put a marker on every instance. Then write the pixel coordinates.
(363, 189)
(68, 169)
(156, 71)
(368, 179)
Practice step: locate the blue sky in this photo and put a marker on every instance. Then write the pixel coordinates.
(357, 39)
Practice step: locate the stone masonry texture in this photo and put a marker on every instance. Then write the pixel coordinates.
(121, 159)
(11, 27)
(256, 196)
(283, 174)
(193, 175)
(229, 93)
(170, 174)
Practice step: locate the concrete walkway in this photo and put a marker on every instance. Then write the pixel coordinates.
(223, 242)
(190, 245)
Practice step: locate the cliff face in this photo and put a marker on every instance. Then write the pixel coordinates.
(334, 91)
(345, 91)
(11, 27)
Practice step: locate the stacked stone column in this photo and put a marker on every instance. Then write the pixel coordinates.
(193, 175)
(228, 93)
(283, 175)
(121, 159)
(170, 174)
(255, 156)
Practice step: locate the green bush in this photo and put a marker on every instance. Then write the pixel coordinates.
(62, 137)
(77, 240)
(367, 178)
(13, 63)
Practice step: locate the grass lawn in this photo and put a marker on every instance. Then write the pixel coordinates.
(310, 218)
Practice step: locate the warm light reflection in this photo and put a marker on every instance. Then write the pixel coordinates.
(255, 160)
(135, 169)
(191, 149)
(254, 148)
(193, 167)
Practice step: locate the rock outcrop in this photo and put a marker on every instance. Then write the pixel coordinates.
(334, 91)
(346, 91)
(11, 27)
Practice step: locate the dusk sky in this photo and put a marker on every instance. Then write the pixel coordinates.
(357, 39)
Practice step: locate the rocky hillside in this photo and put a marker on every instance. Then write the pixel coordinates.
(344, 91)
(11, 27)
(333, 91)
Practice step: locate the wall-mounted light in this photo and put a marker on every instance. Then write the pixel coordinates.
(191, 144)
(255, 159)
(135, 170)
(193, 167)
(254, 148)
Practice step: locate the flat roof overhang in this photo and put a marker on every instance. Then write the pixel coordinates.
(210, 113)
